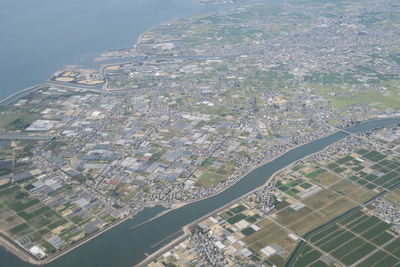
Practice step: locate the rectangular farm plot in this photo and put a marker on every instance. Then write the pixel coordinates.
(307, 223)
(352, 191)
(329, 237)
(289, 215)
(321, 199)
(394, 247)
(351, 217)
(337, 241)
(382, 238)
(388, 261)
(357, 221)
(356, 236)
(344, 160)
(366, 224)
(387, 178)
(307, 256)
(373, 259)
(269, 234)
(337, 208)
(342, 251)
(323, 233)
(326, 179)
(374, 156)
(373, 172)
(394, 195)
(27, 221)
(23, 217)
(358, 254)
(346, 247)
(315, 173)
(376, 230)
(236, 218)
(319, 263)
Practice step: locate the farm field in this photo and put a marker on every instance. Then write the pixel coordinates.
(338, 209)
(356, 239)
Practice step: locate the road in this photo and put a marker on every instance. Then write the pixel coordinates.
(24, 136)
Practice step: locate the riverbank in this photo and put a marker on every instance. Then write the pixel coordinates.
(10, 245)
(178, 206)
(25, 256)
(124, 246)
(186, 229)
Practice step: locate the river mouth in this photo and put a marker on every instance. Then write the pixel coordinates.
(124, 246)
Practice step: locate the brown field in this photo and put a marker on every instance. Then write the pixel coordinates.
(327, 179)
(352, 191)
(321, 199)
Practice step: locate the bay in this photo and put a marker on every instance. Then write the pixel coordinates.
(37, 37)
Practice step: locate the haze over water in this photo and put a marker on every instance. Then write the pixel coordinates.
(37, 37)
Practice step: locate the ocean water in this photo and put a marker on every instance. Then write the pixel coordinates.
(37, 37)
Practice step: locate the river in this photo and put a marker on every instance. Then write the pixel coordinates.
(120, 246)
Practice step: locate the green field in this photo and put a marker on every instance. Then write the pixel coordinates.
(343, 241)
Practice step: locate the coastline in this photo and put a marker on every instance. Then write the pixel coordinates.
(21, 253)
(128, 45)
(3, 102)
(32, 88)
(102, 66)
(17, 251)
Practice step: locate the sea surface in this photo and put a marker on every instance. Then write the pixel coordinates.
(37, 37)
